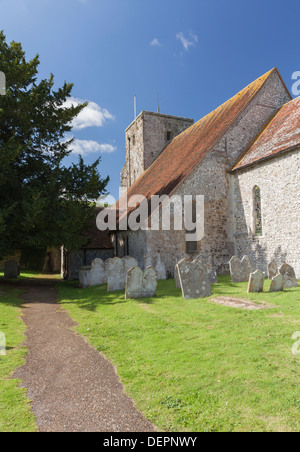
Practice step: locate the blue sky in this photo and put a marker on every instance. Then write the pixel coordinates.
(195, 53)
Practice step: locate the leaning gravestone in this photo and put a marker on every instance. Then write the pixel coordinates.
(289, 275)
(272, 270)
(11, 270)
(277, 284)
(256, 282)
(141, 284)
(85, 277)
(116, 278)
(98, 273)
(240, 269)
(193, 279)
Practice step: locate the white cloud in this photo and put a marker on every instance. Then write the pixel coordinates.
(155, 43)
(85, 147)
(187, 42)
(91, 116)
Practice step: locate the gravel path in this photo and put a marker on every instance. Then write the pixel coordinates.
(73, 387)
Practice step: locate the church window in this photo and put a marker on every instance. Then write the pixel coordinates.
(169, 136)
(133, 140)
(257, 211)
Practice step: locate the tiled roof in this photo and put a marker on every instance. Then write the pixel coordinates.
(186, 150)
(282, 134)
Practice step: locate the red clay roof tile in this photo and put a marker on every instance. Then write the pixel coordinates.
(186, 150)
(283, 133)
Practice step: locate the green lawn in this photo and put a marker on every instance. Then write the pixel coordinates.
(195, 365)
(29, 274)
(15, 414)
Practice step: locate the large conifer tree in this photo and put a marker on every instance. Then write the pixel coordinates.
(42, 202)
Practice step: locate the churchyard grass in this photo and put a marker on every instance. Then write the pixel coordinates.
(15, 411)
(29, 274)
(193, 365)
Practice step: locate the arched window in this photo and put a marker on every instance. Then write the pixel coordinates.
(257, 211)
(192, 245)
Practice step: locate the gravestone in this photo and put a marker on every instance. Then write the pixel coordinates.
(289, 275)
(272, 270)
(106, 264)
(193, 279)
(240, 269)
(11, 270)
(141, 284)
(134, 282)
(256, 282)
(98, 273)
(129, 262)
(116, 276)
(85, 277)
(277, 284)
(149, 286)
(157, 263)
(160, 268)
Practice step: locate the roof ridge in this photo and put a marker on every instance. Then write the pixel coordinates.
(219, 137)
(184, 153)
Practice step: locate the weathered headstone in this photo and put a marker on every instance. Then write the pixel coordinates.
(98, 273)
(11, 270)
(277, 284)
(106, 268)
(129, 262)
(141, 284)
(272, 270)
(134, 282)
(85, 277)
(160, 268)
(256, 281)
(289, 275)
(240, 269)
(193, 279)
(116, 276)
(149, 286)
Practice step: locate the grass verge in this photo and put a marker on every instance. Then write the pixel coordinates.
(15, 410)
(195, 365)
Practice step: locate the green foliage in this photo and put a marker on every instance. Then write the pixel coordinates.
(42, 202)
(194, 365)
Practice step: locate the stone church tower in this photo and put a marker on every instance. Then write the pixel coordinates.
(146, 137)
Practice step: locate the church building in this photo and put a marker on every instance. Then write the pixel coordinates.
(243, 158)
